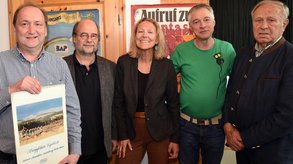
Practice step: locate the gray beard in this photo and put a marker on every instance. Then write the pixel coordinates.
(83, 53)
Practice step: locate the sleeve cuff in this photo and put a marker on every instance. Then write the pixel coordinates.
(75, 148)
(5, 98)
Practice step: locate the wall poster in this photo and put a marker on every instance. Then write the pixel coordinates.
(40, 125)
(60, 24)
(171, 17)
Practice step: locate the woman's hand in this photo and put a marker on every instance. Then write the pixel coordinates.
(122, 146)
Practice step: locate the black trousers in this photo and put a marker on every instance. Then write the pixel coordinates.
(6, 158)
(97, 158)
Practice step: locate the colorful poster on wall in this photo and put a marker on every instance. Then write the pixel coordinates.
(40, 125)
(60, 25)
(171, 17)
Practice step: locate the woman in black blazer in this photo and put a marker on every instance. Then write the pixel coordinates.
(146, 99)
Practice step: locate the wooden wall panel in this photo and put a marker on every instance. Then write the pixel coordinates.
(122, 33)
(12, 6)
(184, 1)
(114, 29)
(47, 2)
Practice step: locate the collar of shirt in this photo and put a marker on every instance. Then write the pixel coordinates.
(20, 55)
(259, 51)
(76, 62)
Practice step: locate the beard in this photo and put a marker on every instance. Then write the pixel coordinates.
(87, 51)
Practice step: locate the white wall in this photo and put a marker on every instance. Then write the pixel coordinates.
(4, 30)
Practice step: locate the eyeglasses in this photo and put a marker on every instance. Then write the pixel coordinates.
(85, 36)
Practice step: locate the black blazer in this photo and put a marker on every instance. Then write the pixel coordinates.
(161, 99)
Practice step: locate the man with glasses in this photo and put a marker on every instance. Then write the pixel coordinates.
(93, 77)
(204, 64)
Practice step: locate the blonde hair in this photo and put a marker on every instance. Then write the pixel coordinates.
(159, 48)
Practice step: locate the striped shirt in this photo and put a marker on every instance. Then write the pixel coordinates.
(49, 70)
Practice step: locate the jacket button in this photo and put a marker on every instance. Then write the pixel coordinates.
(147, 119)
(232, 109)
(245, 76)
(254, 147)
(250, 60)
(237, 92)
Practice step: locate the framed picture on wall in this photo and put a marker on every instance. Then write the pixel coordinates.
(171, 17)
(61, 20)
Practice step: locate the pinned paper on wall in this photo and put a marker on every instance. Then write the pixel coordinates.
(171, 17)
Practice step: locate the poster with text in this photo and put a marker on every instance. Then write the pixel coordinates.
(60, 25)
(171, 17)
(40, 125)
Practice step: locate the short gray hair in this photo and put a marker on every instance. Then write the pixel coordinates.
(283, 6)
(200, 6)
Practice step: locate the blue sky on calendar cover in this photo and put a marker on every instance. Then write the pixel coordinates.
(60, 34)
(32, 110)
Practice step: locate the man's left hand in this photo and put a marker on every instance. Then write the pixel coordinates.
(173, 150)
(70, 159)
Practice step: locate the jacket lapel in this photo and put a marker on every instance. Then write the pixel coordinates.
(71, 68)
(103, 81)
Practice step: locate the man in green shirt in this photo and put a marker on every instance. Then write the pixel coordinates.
(204, 64)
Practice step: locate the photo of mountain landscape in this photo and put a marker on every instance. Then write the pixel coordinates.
(39, 120)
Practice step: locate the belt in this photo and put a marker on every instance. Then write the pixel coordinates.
(211, 121)
(139, 115)
(6, 156)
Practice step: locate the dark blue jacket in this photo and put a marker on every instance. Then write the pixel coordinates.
(259, 100)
